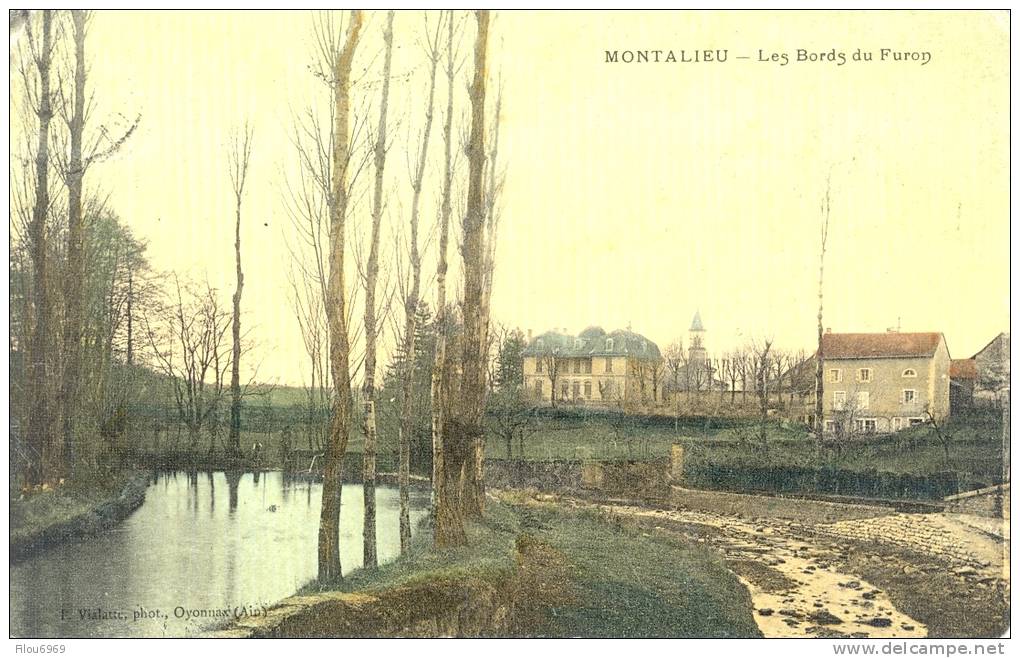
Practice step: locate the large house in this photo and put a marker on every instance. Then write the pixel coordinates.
(884, 382)
(593, 367)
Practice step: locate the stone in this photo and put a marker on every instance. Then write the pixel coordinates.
(910, 569)
(853, 584)
(907, 627)
(869, 595)
(878, 622)
(825, 618)
(965, 571)
(790, 612)
(765, 612)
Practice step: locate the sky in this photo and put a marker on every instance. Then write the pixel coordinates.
(635, 194)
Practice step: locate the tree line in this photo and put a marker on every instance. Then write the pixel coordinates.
(96, 332)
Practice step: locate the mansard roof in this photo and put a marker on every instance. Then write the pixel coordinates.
(593, 341)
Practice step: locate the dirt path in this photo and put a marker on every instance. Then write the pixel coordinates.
(812, 580)
(795, 587)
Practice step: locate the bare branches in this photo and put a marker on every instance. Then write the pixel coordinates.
(238, 159)
(188, 341)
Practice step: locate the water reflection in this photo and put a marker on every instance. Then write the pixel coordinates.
(200, 542)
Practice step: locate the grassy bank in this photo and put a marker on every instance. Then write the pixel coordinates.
(48, 517)
(596, 579)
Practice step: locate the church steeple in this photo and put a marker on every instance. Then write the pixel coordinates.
(697, 350)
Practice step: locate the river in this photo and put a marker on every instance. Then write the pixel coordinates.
(201, 547)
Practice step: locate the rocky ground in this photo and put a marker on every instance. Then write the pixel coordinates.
(894, 575)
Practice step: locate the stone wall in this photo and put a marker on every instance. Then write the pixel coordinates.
(560, 475)
(982, 502)
(775, 507)
(928, 534)
(627, 479)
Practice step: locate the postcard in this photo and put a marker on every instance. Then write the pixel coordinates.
(510, 324)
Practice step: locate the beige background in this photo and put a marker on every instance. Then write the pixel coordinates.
(635, 193)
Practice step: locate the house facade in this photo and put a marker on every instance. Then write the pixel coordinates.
(593, 367)
(884, 382)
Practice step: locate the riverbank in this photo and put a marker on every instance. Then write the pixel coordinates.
(49, 518)
(842, 571)
(529, 570)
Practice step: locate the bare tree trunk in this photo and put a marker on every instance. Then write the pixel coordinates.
(468, 426)
(45, 463)
(238, 174)
(476, 468)
(448, 522)
(339, 346)
(410, 312)
(75, 272)
(819, 365)
(371, 329)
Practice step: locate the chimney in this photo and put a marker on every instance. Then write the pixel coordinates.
(529, 336)
(828, 330)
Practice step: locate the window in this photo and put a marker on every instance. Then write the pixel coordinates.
(586, 366)
(577, 366)
(539, 365)
(835, 375)
(564, 390)
(909, 396)
(910, 372)
(864, 375)
(577, 389)
(867, 425)
(538, 387)
(609, 344)
(863, 398)
(897, 424)
(609, 365)
(838, 400)
(587, 389)
(830, 426)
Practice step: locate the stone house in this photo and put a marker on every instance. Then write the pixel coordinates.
(884, 382)
(992, 366)
(593, 368)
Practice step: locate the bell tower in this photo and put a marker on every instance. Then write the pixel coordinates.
(697, 352)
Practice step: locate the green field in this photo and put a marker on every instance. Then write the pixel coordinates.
(974, 449)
